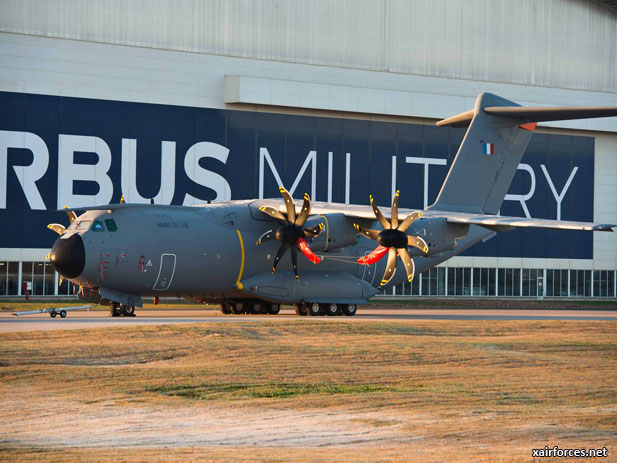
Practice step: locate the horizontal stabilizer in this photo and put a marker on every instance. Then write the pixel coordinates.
(460, 120)
(551, 114)
(495, 222)
(532, 114)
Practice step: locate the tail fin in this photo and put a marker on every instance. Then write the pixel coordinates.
(497, 137)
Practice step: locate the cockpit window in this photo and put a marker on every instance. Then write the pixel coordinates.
(98, 226)
(83, 224)
(111, 225)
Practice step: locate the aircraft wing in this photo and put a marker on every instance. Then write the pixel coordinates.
(492, 222)
(353, 211)
(499, 223)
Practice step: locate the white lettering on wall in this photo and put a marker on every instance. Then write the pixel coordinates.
(559, 197)
(69, 172)
(311, 158)
(393, 177)
(329, 176)
(205, 177)
(347, 176)
(27, 175)
(526, 197)
(426, 162)
(128, 179)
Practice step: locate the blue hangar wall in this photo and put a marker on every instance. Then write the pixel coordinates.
(57, 151)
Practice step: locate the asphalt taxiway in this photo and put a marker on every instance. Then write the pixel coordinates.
(101, 319)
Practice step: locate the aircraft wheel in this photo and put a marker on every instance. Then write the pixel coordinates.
(315, 310)
(115, 310)
(52, 314)
(350, 309)
(225, 308)
(273, 309)
(301, 310)
(255, 308)
(63, 314)
(331, 309)
(237, 308)
(128, 310)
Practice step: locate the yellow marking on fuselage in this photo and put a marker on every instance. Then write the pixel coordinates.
(327, 231)
(238, 282)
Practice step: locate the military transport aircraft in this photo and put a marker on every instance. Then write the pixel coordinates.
(234, 253)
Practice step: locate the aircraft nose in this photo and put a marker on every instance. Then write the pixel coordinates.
(68, 256)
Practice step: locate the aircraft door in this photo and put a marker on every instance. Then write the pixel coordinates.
(166, 272)
(367, 272)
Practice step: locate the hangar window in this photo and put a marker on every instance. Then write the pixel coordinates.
(98, 226)
(111, 225)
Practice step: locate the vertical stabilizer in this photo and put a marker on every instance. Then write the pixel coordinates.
(487, 159)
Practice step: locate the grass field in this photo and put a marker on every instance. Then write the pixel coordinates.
(309, 391)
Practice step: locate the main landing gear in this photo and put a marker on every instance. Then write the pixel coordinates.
(312, 309)
(332, 310)
(121, 310)
(255, 308)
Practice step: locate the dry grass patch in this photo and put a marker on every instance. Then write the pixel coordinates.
(363, 390)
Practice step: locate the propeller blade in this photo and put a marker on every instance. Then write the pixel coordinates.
(305, 212)
(382, 220)
(294, 261)
(417, 242)
(373, 256)
(59, 229)
(268, 236)
(372, 234)
(310, 255)
(313, 232)
(390, 267)
(394, 214)
(408, 262)
(281, 252)
(289, 204)
(274, 213)
(411, 218)
(72, 215)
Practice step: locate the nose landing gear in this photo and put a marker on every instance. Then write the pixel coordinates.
(120, 310)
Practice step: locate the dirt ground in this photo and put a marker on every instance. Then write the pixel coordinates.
(311, 391)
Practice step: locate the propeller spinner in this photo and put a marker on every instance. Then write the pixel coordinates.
(290, 234)
(392, 240)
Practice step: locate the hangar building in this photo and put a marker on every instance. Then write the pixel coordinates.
(192, 100)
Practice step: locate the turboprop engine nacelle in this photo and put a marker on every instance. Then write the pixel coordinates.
(338, 232)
